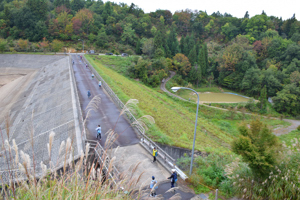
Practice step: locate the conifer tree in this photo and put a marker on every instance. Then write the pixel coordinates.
(181, 45)
(138, 47)
(263, 98)
(193, 55)
(172, 43)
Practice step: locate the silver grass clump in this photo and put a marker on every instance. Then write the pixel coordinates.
(87, 148)
(144, 121)
(15, 147)
(44, 168)
(62, 146)
(26, 159)
(93, 104)
(49, 145)
(68, 144)
(130, 106)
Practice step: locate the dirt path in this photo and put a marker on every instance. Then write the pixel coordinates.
(277, 131)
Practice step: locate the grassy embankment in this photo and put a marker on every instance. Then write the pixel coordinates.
(174, 119)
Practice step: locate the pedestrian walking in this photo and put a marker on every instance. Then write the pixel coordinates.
(73, 62)
(86, 65)
(98, 129)
(93, 75)
(99, 84)
(88, 93)
(173, 178)
(154, 153)
(153, 187)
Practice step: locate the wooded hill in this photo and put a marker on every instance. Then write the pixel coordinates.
(242, 54)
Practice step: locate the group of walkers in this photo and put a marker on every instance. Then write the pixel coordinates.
(153, 184)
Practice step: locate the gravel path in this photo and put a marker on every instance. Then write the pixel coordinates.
(277, 131)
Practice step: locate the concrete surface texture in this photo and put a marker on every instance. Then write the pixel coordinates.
(39, 102)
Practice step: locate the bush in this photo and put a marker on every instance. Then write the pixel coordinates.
(298, 128)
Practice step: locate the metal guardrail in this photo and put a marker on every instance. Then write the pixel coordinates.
(102, 156)
(146, 142)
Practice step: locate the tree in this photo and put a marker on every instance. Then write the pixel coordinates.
(148, 47)
(44, 44)
(252, 81)
(258, 146)
(23, 44)
(128, 35)
(193, 55)
(182, 64)
(295, 78)
(203, 60)
(288, 100)
(138, 47)
(263, 99)
(102, 38)
(3, 44)
(56, 45)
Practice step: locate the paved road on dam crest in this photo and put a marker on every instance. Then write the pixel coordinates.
(107, 113)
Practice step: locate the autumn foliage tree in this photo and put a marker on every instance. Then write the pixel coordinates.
(23, 44)
(181, 64)
(44, 44)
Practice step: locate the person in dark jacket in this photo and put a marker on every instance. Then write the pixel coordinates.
(173, 178)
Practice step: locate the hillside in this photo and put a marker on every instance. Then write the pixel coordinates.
(174, 119)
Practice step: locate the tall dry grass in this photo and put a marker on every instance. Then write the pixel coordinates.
(84, 178)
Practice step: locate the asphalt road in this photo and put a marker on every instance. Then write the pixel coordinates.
(107, 113)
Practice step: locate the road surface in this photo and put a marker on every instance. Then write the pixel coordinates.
(107, 113)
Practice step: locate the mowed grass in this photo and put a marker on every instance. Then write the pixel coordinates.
(174, 120)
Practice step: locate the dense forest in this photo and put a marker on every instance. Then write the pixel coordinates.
(248, 55)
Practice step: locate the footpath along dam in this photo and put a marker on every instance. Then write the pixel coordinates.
(41, 94)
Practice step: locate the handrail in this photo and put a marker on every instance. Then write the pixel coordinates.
(102, 155)
(145, 140)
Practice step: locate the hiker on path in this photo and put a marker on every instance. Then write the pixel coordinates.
(153, 187)
(154, 153)
(173, 178)
(99, 84)
(98, 129)
(88, 93)
(93, 75)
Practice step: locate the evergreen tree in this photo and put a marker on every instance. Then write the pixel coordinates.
(77, 5)
(181, 45)
(186, 49)
(172, 43)
(263, 98)
(246, 16)
(193, 55)
(138, 50)
(201, 60)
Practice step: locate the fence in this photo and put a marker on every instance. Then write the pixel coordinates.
(104, 159)
(166, 160)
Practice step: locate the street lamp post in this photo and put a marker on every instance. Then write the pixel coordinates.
(82, 44)
(175, 89)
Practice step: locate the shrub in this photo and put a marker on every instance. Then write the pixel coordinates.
(258, 146)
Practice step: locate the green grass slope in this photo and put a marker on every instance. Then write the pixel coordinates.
(174, 119)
